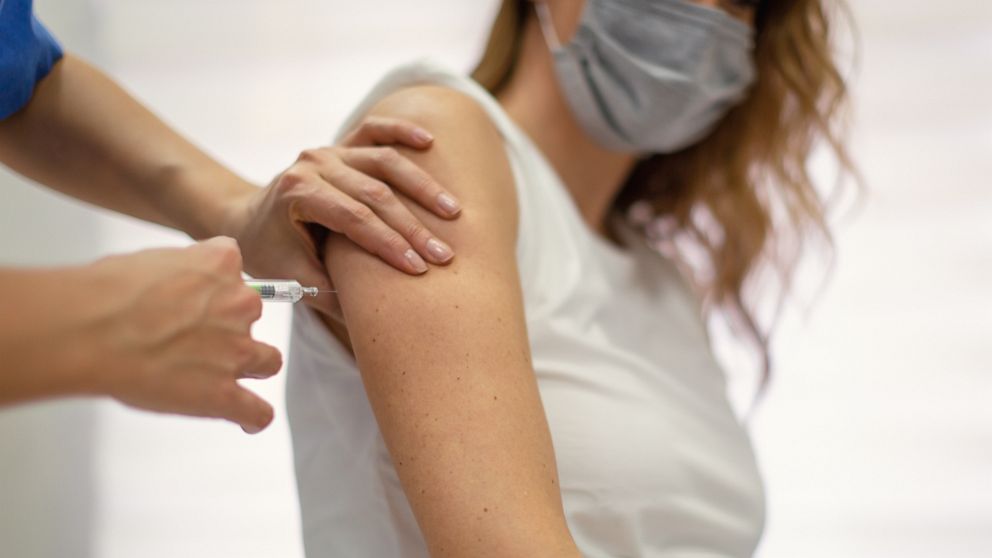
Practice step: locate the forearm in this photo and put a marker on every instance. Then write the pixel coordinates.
(45, 350)
(83, 135)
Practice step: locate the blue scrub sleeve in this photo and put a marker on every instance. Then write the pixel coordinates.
(27, 54)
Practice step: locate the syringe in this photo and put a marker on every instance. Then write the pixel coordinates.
(280, 290)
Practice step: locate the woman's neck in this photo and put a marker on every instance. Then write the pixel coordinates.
(534, 101)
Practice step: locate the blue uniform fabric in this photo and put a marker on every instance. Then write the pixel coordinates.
(27, 53)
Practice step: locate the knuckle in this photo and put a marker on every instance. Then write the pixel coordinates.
(386, 156)
(414, 229)
(215, 246)
(359, 213)
(232, 366)
(424, 183)
(375, 192)
(313, 155)
(290, 181)
(227, 259)
(242, 355)
(396, 243)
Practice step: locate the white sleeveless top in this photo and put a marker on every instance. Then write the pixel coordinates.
(652, 461)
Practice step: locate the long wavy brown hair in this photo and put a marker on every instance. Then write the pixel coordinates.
(742, 200)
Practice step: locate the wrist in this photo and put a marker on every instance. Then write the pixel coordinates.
(85, 352)
(200, 202)
(224, 213)
(233, 212)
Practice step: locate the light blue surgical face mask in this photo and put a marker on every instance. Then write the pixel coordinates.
(651, 76)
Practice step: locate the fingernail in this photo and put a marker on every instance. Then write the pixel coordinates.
(439, 250)
(416, 262)
(423, 135)
(448, 203)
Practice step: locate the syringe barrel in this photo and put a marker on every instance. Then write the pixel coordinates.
(277, 290)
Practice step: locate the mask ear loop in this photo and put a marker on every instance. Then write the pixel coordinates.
(547, 25)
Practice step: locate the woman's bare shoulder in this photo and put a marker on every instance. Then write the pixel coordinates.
(467, 144)
(439, 105)
(468, 158)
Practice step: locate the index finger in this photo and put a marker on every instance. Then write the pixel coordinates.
(378, 130)
(385, 164)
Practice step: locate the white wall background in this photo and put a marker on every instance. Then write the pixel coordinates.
(876, 437)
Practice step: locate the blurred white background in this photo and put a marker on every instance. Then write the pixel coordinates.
(875, 438)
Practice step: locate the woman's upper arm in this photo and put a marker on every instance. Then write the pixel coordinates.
(445, 357)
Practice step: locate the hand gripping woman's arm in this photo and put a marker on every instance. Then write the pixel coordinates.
(445, 357)
(83, 135)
